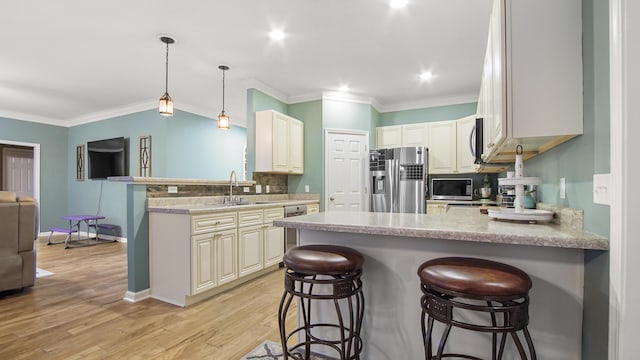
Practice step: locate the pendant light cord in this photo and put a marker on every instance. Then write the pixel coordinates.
(166, 72)
(223, 71)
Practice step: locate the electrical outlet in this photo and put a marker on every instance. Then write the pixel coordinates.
(258, 189)
(563, 188)
(267, 189)
(601, 189)
(246, 189)
(172, 189)
(306, 188)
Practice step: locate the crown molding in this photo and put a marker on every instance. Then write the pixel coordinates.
(32, 118)
(296, 99)
(259, 85)
(430, 102)
(112, 113)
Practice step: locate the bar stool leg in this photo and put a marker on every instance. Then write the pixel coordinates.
(443, 341)
(532, 350)
(282, 318)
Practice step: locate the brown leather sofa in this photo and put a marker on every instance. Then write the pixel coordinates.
(18, 224)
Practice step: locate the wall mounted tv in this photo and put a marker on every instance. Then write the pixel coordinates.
(107, 158)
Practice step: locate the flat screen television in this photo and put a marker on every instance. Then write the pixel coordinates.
(107, 158)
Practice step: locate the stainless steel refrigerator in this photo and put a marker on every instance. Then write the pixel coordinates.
(398, 179)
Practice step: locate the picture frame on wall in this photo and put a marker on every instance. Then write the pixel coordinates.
(144, 159)
(80, 162)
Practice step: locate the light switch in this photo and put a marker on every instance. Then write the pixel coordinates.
(246, 189)
(563, 188)
(258, 189)
(306, 188)
(172, 189)
(267, 189)
(601, 189)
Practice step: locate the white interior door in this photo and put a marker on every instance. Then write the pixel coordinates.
(345, 171)
(18, 171)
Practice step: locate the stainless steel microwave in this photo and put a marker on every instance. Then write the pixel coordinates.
(452, 188)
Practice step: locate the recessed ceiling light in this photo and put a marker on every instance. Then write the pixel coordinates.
(277, 35)
(398, 3)
(426, 76)
(343, 88)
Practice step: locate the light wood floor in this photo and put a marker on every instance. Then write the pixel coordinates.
(78, 313)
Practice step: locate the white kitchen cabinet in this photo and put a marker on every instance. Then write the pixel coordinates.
(203, 266)
(532, 79)
(261, 244)
(442, 147)
(250, 239)
(465, 161)
(279, 143)
(273, 237)
(401, 135)
(250, 245)
(389, 136)
(212, 252)
(415, 134)
(214, 260)
(227, 256)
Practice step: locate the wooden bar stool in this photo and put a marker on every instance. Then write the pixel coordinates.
(480, 286)
(323, 273)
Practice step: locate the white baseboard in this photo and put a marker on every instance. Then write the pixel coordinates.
(132, 297)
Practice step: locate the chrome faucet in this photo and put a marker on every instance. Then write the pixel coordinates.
(232, 177)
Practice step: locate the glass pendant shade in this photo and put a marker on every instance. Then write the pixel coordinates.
(165, 107)
(223, 121)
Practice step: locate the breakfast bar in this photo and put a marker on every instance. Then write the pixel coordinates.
(394, 246)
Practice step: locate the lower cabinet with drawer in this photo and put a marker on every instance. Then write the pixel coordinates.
(195, 257)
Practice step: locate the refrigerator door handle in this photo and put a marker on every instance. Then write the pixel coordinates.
(472, 141)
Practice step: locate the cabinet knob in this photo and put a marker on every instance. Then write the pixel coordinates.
(331, 199)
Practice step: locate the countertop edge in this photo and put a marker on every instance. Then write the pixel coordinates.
(215, 209)
(587, 242)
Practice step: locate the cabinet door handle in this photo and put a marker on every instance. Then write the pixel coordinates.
(491, 145)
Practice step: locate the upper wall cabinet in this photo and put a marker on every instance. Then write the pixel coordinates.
(279, 143)
(448, 143)
(531, 92)
(389, 136)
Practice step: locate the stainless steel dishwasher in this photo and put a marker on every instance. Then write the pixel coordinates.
(291, 235)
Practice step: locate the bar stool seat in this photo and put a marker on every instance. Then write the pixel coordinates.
(476, 285)
(323, 259)
(323, 273)
(474, 277)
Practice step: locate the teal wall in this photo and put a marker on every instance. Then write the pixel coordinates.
(257, 101)
(183, 146)
(437, 113)
(310, 113)
(54, 169)
(346, 115)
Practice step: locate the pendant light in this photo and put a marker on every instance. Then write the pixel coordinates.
(165, 107)
(223, 119)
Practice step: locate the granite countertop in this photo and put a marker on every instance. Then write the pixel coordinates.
(205, 208)
(459, 223)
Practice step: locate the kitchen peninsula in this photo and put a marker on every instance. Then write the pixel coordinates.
(394, 245)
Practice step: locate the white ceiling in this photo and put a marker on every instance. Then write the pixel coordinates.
(72, 61)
